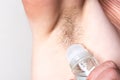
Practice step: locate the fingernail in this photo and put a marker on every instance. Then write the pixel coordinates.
(111, 64)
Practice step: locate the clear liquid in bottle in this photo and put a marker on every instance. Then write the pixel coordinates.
(81, 61)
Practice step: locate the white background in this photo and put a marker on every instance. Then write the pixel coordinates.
(15, 42)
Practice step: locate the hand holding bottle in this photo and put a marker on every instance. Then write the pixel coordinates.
(106, 71)
(85, 67)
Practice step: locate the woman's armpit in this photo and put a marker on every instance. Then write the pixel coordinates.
(68, 30)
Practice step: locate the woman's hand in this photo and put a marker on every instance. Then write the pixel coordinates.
(106, 71)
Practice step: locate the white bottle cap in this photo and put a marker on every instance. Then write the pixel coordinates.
(76, 51)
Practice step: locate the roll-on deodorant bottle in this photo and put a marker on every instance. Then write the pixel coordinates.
(81, 61)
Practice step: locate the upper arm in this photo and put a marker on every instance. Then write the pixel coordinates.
(42, 14)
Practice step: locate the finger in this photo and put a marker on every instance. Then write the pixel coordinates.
(109, 74)
(98, 70)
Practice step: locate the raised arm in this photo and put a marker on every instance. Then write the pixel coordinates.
(42, 15)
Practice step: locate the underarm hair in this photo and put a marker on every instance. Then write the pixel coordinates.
(69, 30)
(72, 32)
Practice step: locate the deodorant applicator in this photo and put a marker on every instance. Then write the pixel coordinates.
(81, 61)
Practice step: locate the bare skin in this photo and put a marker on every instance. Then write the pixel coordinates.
(56, 24)
(106, 71)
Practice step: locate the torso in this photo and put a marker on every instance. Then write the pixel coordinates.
(49, 58)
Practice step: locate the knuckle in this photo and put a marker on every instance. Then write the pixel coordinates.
(111, 64)
(112, 72)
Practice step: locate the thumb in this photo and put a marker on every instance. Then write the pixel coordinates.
(101, 68)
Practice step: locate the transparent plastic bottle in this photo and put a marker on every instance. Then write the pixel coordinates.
(81, 61)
